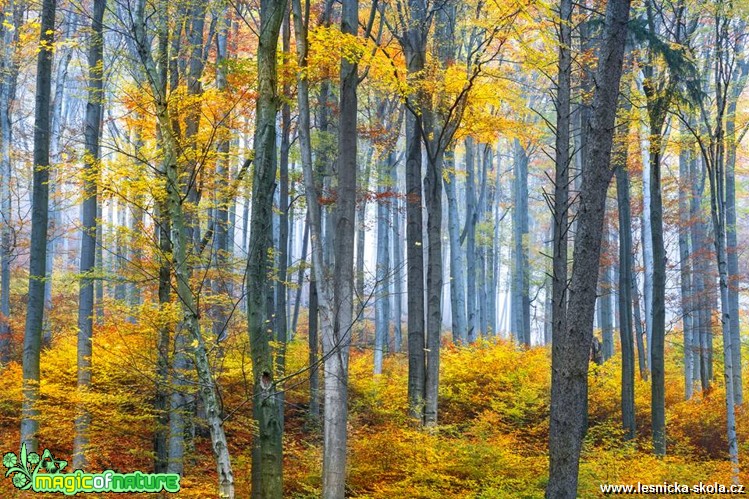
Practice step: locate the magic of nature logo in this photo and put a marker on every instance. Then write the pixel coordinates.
(30, 471)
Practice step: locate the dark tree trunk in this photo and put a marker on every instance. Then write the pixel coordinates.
(569, 391)
(39, 219)
(562, 162)
(88, 229)
(267, 455)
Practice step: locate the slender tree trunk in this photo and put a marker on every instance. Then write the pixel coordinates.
(162, 445)
(281, 321)
(457, 276)
(626, 258)
(221, 226)
(382, 304)
(647, 244)
(685, 269)
(520, 238)
(8, 83)
(398, 265)
(300, 277)
(732, 247)
(55, 220)
(470, 237)
(433, 195)
(336, 346)
(562, 162)
(699, 260)
(39, 219)
(88, 231)
(267, 455)
(570, 350)
(606, 312)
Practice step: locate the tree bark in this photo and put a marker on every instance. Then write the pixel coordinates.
(569, 392)
(267, 455)
(336, 346)
(457, 276)
(8, 84)
(562, 160)
(88, 231)
(39, 219)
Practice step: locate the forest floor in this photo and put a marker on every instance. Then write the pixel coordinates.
(490, 443)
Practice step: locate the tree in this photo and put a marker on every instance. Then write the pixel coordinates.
(94, 107)
(40, 215)
(178, 174)
(267, 452)
(562, 160)
(570, 347)
(8, 85)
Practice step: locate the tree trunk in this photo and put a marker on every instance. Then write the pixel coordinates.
(336, 346)
(382, 303)
(267, 455)
(457, 276)
(647, 245)
(55, 221)
(685, 269)
(398, 265)
(569, 391)
(39, 219)
(415, 59)
(470, 237)
(626, 258)
(732, 248)
(8, 82)
(606, 313)
(88, 230)
(699, 262)
(521, 298)
(562, 160)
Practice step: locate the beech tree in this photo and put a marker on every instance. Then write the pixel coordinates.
(570, 346)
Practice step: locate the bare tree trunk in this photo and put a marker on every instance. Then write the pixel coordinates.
(415, 58)
(8, 83)
(336, 346)
(562, 160)
(282, 262)
(685, 269)
(569, 391)
(457, 276)
(267, 455)
(382, 305)
(470, 237)
(521, 298)
(699, 262)
(39, 219)
(740, 75)
(57, 124)
(647, 246)
(88, 232)
(398, 265)
(626, 258)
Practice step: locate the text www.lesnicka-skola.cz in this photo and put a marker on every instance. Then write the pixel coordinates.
(673, 488)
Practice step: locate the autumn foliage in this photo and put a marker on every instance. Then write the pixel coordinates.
(491, 442)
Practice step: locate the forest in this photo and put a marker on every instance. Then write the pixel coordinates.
(375, 248)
